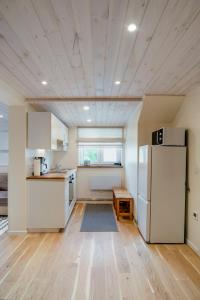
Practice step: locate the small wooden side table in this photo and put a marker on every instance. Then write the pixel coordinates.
(121, 198)
(118, 191)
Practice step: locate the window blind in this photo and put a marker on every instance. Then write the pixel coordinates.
(98, 146)
(100, 134)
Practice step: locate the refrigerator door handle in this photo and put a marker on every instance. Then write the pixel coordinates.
(144, 217)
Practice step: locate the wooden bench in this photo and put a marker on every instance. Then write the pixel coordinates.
(121, 197)
(117, 191)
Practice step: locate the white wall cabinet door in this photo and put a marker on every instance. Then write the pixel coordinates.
(55, 132)
(39, 130)
(64, 131)
(45, 131)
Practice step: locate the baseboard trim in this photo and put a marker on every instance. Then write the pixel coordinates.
(19, 232)
(95, 201)
(193, 246)
(33, 230)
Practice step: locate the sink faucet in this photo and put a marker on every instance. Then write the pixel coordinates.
(58, 167)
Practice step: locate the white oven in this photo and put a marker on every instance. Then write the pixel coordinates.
(71, 188)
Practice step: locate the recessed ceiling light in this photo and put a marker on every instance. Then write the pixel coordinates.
(132, 27)
(86, 107)
(44, 82)
(117, 82)
(89, 120)
(1, 116)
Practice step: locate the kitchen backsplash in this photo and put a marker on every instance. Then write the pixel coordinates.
(30, 154)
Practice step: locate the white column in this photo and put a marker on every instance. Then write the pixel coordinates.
(17, 218)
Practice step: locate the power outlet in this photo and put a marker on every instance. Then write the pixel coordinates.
(195, 215)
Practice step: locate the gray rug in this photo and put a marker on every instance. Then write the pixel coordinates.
(99, 218)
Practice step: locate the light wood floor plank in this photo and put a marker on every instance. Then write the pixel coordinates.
(9, 245)
(14, 272)
(98, 290)
(74, 265)
(24, 282)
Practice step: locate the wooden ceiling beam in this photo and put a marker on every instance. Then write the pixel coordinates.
(84, 99)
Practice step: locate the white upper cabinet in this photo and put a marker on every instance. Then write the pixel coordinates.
(45, 131)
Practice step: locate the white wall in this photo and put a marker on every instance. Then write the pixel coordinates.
(20, 166)
(69, 159)
(10, 96)
(17, 157)
(3, 145)
(157, 111)
(189, 117)
(131, 156)
(83, 182)
(17, 169)
(3, 124)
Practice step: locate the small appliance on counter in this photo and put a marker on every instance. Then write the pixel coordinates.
(169, 136)
(86, 162)
(39, 166)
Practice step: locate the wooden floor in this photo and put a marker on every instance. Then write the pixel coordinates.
(77, 265)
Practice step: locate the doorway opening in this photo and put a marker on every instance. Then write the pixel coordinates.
(4, 156)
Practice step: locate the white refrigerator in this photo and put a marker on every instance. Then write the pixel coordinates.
(161, 193)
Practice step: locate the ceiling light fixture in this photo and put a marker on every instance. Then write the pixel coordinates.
(86, 107)
(89, 120)
(44, 82)
(117, 82)
(132, 27)
(1, 116)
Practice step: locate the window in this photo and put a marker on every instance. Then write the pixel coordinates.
(100, 146)
(110, 155)
(100, 153)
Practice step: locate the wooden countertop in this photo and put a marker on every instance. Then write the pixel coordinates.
(49, 176)
(60, 176)
(99, 166)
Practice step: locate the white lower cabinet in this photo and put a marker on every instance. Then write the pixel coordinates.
(48, 204)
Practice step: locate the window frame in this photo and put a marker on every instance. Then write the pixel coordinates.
(101, 141)
(100, 148)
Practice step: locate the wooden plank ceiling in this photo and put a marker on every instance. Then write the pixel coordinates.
(81, 47)
(100, 113)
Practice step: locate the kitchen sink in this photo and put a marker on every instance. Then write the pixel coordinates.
(59, 170)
